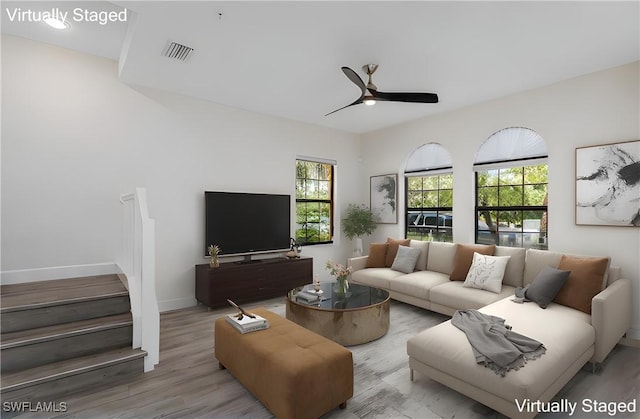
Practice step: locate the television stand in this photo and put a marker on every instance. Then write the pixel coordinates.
(246, 282)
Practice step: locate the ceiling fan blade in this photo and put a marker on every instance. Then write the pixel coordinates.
(351, 104)
(405, 96)
(353, 76)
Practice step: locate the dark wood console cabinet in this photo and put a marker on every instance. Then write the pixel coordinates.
(242, 283)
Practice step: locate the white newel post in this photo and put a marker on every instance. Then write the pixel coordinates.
(138, 264)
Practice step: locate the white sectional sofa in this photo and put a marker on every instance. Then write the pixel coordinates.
(572, 337)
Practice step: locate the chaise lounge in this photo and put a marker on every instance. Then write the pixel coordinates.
(576, 328)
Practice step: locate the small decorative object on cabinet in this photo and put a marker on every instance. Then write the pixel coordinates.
(294, 250)
(214, 251)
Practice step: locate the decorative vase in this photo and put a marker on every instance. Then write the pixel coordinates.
(357, 250)
(342, 286)
(213, 262)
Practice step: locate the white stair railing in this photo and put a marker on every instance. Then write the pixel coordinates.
(137, 262)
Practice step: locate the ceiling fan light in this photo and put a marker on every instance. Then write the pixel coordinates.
(369, 101)
(56, 23)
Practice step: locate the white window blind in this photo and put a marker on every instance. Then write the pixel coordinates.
(428, 157)
(511, 144)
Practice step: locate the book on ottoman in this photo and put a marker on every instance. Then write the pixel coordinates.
(245, 322)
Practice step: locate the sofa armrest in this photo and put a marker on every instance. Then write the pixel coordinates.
(358, 263)
(611, 316)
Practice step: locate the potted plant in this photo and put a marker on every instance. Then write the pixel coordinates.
(359, 221)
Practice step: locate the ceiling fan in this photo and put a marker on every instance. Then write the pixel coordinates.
(370, 93)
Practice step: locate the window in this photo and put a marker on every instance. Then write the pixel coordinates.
(429, 207)
(512, 206)
(429, 194)
(511, 194)
(314, 201)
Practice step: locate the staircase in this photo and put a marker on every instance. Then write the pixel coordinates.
(61, 336)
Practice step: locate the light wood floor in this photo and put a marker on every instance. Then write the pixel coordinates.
(188, 384)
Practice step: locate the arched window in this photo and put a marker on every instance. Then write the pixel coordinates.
(511, 189)
(429, 194)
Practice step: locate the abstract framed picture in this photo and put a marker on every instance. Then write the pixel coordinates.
(608, 184)
(384, 198)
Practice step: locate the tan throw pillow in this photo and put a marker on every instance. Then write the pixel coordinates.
(393, 249)
(377, 255)
(584, 282)
(464, 256)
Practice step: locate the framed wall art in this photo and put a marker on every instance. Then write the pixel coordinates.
(384, 198)
(608, 184)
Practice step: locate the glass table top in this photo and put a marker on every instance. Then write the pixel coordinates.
(358, 296)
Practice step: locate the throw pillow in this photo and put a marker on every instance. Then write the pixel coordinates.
(584, 282)
(406, 259)
(377, 255)
(546, 286)
(464, 256)
(421, 264)
(393, 249)
(486, 272)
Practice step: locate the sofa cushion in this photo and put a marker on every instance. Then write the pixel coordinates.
(421, 265)
(441, 256)
(406, 259)
(464, 257)
(392, 250)
(418, 284)
(486, 272)
(454, 294)
(514, 273)
(536, 261)
(377, 255)
(546, 286)
(375, 277)
(586, 279)
(446, 348)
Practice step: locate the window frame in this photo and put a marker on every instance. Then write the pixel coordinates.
(439, 210)
(330, 201)
(543, 231)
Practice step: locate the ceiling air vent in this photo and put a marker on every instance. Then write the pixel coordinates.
(177, 51)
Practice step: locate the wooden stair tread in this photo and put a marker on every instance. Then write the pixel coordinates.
(60, 291)
(57, 370)
(41, 334)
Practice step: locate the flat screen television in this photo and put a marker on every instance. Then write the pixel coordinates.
(247, 223)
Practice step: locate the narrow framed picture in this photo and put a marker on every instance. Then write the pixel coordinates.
(384, 198)
(608, 184)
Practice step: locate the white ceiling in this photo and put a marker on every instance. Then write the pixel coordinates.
(284, 58)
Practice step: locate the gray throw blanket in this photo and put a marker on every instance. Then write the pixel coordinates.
(494, 343)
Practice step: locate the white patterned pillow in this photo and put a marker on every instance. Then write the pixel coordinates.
(486, 272)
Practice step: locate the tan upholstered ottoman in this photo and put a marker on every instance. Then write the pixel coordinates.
(293, 371)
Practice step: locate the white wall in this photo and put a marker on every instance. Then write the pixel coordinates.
(74, 139)
(594, 109)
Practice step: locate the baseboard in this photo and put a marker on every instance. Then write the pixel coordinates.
(634, 343)
(58, 272)
(176, 304)
(631, 338)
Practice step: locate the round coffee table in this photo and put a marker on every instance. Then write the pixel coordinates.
(360, 316)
